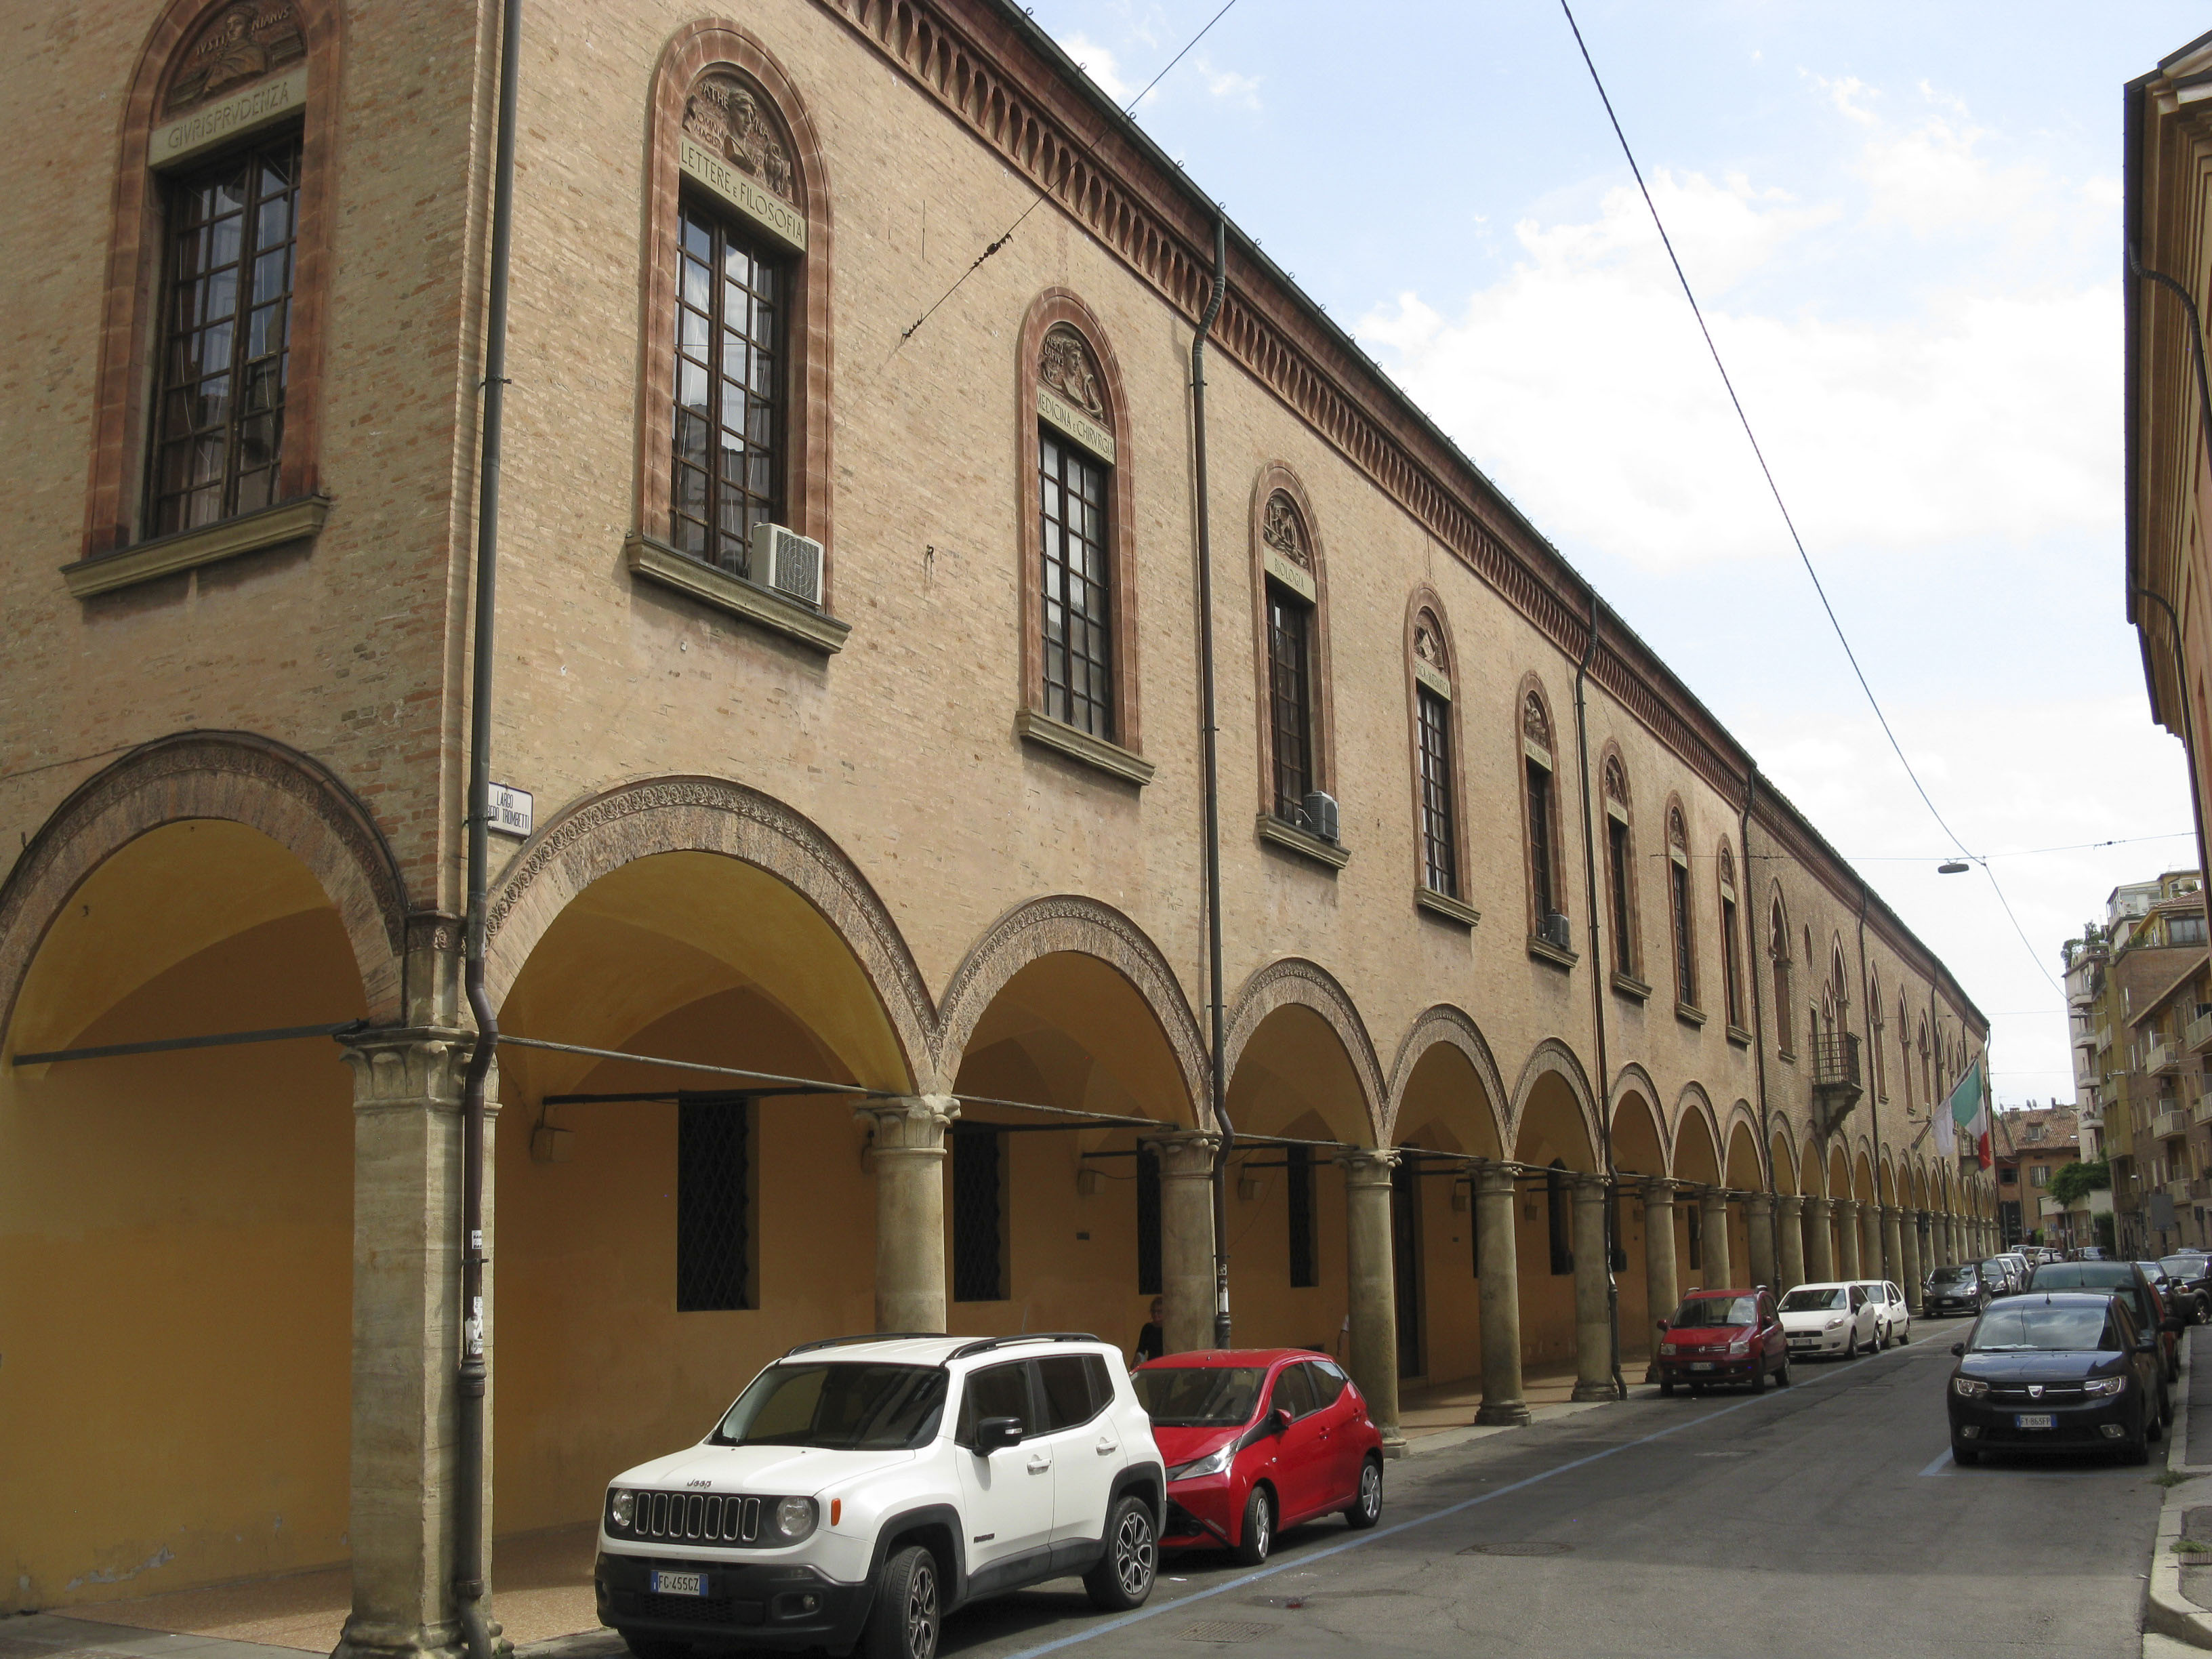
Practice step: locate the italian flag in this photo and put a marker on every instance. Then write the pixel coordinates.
(1964, 1125)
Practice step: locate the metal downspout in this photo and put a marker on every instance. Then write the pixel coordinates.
(469, 1587)
(1873, 1094)
(1750, 921)
(1209, 745)
(1597, 1000)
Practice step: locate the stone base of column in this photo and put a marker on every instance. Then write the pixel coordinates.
(1596, 1390)
(1503, 1414)
(1394, 1445)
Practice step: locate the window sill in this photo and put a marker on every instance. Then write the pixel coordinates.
(1543, 950)
(1303, 842)
(1785, 1056)
(188, 550)
(1108, 757)
(1689, 1014)
(1444, 905)
(763, 606)
(1738, 1036)
(1629, 986)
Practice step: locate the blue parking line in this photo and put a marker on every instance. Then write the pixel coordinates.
(1377, 1536)
(1942, 1465)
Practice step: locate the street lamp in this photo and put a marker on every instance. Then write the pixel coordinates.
(1952, 867)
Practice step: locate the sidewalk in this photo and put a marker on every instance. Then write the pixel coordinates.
(2178, 1593)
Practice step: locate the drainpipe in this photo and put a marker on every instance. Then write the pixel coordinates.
(1753, 932)
(1597, 997)
(1209, 744)
(474, 1375)
(1873, 1094)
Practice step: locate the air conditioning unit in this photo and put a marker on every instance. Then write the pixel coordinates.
(1556, 930)
(789, 563)
(1320, 814)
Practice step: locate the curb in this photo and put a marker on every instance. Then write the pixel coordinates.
(2167, 1611)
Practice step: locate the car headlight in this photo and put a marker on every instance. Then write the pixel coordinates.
(1833, 1325)
(1969, 1387)
(622, 1507)
(794, 1519)
(1742, 1345)
(2105, 1385)
(1214, 1462)
(1666, 1347)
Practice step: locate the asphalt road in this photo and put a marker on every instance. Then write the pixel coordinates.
(1822, 1519)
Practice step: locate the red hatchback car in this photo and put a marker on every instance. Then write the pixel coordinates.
(1256, 1440)
(1724, 1336)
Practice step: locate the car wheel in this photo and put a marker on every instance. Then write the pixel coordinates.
(902, 1623)
(1965, 1456)
(1367, 1509)
(2137, 1450)
(654, 1647)
(1904, 1335)
(1759, 1379)
(1851, 1344)
(1258, 1536)
(1123, 1577)
(1884, 1347)
(1666, 1388)
(1782, 1373)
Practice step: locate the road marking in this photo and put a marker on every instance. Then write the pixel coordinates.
(1941, 1466)
(1381, 1533)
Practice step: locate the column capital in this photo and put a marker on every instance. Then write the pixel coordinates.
(909, 1123)
(1496, 1179)
(407, 1066)
(1368, 1165)
(1758, 1204)
(1584, 1181)
(1845, 1205)
(1659, 1192)
(1817, 1206)
(1186, 1153)
(1790, 1204)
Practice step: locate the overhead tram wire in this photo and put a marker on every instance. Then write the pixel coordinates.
(1775, 490)
(1007, 235)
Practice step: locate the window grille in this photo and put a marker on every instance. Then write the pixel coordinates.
(1540, 840)
(713, 1206)
(1558, 1202)
(726, 475)
(1148, 1220)
(219, 414)
(1624, 940)
(1300, 1172)
(1290, 687)
(978, 1215)
(1438, 863)
(1731, 969)
(1685, 978)
(1079, 642)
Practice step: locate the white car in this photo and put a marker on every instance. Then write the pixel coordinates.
(1891, 1307)
(1833, 1318)
(860, 1490)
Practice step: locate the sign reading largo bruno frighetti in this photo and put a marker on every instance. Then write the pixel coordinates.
(227, 118)
(770, 212)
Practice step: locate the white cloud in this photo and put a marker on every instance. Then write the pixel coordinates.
(1846, 93)
(1228, 85)
(1100, 65)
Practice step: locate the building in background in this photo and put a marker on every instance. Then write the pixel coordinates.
(2029, 1146)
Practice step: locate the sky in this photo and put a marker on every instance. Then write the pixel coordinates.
(1903, 223)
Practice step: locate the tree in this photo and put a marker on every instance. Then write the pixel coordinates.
(2076, 1182)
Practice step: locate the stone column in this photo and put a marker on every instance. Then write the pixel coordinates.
(1593, 1274)
(1790, 1223)
(1847, 1238)
(407, 1331)
(1187, 1278)
(1908, 1256)
(1892, 1256)
(1712, 1221)
(1504, 1401)
(1946, 1252)
(1820, 1244)
(1758, 1214)
(1372, 1286)
(1661, 1288)
(908, 1157)
(1870, 1259)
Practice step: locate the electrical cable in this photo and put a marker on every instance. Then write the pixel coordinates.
(1007, 235)
(1775, 490)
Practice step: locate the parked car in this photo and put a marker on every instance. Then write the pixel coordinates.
(2128, 1279)
(2191, 1273)
(860, 1490)
(2019, 1261)
(1891, 1307)
(1955, 1289)
(1724, 1336)
(1832, 1318)
(2070, 1370)
(1257, 1440)
(2001, 1276)
(2091, 1252)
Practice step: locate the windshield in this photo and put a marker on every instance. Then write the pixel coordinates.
(841, 1407)
(1710, 1310)
(1812, 1301)
(1963, 1274)
(1198, 1396)
(2014, 1325)
(2086, 1275)
(2183, 1267)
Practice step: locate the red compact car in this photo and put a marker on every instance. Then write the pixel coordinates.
(1724, 1336)
(1256, 1440)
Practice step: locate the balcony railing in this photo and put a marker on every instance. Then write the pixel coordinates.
(2169, 1125)
(1836, 1082)
(2161, 1056)
(2202, 1111)
(2104, 1038)
(2197, 1037)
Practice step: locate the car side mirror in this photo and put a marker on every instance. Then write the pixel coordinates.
(1664, 1326)
(2147, 1342)
(1278, 1420)
(1959, 1349)
(994, 1432)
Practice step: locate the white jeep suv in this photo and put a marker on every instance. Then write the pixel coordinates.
(860, 1489)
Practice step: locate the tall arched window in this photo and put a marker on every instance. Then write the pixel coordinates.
(1874, 1037)
(1926, 1075)
(207, 408)
(1904, 1048)
(1289, 588)
(1731, 944)
(1620, 879)
(1785, 1000)
(1551, 935)
(1440, 854)
(1681, 913)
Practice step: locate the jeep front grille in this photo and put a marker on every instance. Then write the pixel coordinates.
(694, 1517)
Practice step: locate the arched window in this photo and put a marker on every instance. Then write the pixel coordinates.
(1550, 934)
(1785, 1002)
(1926, 1075)
(206, 417)
(1440, 850)
(1680, 911)
(1290, 654)
(1904, 1048)
(1077, 585)
(1873, 1038)
(1620, 879)
(1731, 944)
(733, 445)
